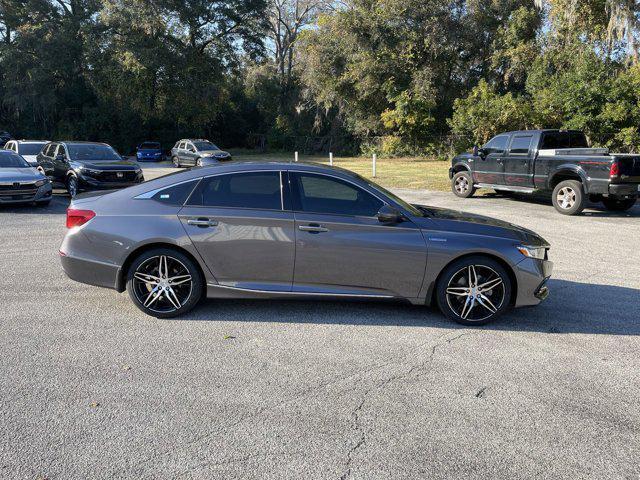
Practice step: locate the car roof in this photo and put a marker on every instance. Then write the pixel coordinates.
(30, 141)
(241, 166)
(544, 130)
(79, 142)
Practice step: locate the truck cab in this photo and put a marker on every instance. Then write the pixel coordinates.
(557, 161)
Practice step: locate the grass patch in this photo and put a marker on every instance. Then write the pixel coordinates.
(408, 172)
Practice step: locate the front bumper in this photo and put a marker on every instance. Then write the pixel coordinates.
(532, 276)
(450, 173)
(42, 194)
(89, 183)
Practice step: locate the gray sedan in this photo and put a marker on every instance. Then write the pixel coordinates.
(281, 230)
(20, 182)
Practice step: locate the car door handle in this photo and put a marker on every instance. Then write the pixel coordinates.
(313, 228)
(202, 222)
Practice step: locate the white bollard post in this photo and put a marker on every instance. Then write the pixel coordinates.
(296, 156)
(374, 165)
(331, 158)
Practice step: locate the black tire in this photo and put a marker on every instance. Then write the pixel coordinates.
(454, 296)
(176, 162)
(462, 185)
(568, 197)
(44, 203)
(619, 204)
(156, 295)
(73, 186)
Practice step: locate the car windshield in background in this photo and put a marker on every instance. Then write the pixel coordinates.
(92, 152)
(13, 160)
(149, 146)
(30, 148)
(204, 146)
(556, 140)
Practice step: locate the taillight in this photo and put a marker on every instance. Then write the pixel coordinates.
(75, 218)
(614, 171)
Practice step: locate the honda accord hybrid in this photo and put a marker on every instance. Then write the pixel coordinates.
(277, 230)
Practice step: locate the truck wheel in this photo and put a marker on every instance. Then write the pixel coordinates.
(462, 185)
(619, 204)
(569, 198)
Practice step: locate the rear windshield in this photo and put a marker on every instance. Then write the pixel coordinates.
(149, 146)
(30, 148)
(12, 160)
(92, 151)
(555, 140)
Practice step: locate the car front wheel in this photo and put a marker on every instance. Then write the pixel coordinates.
(462, 185)
(619, 204)
(474, 290)
(164, 283)
(72, 185)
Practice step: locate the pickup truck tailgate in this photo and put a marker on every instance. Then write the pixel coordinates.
(629, 166)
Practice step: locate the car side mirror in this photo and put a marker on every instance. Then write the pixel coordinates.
(389, 214)
(479, 152)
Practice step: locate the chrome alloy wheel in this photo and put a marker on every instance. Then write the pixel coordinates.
(475, 293)
(162, 284)
(566, 197)
(461, 184)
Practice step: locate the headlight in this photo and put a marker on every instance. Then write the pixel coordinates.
(42, 182)
(88, 171)
(138, 154)
(533, 252)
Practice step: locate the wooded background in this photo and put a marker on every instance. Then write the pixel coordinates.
(395, 76)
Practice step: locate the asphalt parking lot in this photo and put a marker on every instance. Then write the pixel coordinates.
(91, 388)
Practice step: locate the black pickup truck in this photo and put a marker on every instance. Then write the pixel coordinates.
(557, 161)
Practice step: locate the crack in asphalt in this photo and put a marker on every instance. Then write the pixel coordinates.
(357, 424)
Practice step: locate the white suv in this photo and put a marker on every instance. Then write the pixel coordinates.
(28, 149)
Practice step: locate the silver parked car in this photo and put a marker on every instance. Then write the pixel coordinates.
(193, 152)
(20, 182)
(282, 230)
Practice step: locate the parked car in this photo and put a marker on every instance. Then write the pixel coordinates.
(297, 230)
(197, 152)
(4, 138)
(28, 149)
(556, 161)
(20, 182)
(149, 152)
(82, 166)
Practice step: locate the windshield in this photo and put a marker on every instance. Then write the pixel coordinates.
(12, 160)
(204, 146)
(149, 146)
(407, 206)
(92, 151)
(30, 148)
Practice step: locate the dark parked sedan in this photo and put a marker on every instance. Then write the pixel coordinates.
(21, 182)
(290, 230)
(82, 166)
(149, 152)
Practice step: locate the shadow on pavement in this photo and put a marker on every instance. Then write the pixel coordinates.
(58, 206)
(571, 308)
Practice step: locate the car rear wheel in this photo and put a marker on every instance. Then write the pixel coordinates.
(72, 185)
(462, 185)
(176, 162)
(568, 197)
(619, 204)
(164, 283)
(474, 290)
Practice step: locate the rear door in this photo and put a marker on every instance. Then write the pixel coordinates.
(238, 224)
(490, 168)
(518, 162)
(342, 248)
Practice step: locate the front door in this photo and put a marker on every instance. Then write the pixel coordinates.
(489, 169)
(518, 163)
(240, 229)
(341, 246)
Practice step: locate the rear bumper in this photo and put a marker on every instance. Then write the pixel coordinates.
(90, 272)
(532, 276)
(624, 189)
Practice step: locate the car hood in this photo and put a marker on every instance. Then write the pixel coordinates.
(20, 175)
(107, 164)
(31, 158)
(462, 222)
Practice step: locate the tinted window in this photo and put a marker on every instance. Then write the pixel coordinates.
(555, 140)
(91, 151)
(260, 190)
(175, 195)
(61, 151)
(30, 148)
(204, 146)
(520, 144)
(497, 144)
(322, 194)
(9, 159)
